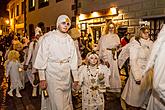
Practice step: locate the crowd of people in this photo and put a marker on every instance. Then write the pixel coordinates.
(53, 63)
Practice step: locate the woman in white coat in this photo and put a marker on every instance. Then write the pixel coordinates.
(56, 59)
(156, 60)
(136, 90)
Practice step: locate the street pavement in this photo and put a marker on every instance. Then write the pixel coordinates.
(27, 102)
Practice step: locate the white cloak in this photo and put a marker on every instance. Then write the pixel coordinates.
(55, 59)
(134, 94)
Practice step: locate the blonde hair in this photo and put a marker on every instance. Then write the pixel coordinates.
(18, 46)
(13, 55)
(107, 26)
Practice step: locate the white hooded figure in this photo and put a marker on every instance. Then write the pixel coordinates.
(156, 60)
(56, 60)
(31, 56)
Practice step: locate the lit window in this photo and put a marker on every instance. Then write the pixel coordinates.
(31, 5)
(43, 3)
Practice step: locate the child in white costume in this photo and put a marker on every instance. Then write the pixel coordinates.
(94, 78)
(13, 66)
(31, 56)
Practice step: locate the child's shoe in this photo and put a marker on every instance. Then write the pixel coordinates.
(10, 93)
(18, 95)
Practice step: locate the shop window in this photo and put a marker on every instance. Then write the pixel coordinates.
(43, 3)
(31, 5)
(58, 1)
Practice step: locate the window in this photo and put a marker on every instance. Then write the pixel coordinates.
(12, 13)
(43, 3)
(58, 0)
(17, 10)
(22, 11)
(155, 26)
(31, 5)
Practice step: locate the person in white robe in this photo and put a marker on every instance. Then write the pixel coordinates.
(56, 62)
(136, 92)
(108, 48)
(157, 99)
(13, 68)
(31, 56)
(93, 78)
(108, 45)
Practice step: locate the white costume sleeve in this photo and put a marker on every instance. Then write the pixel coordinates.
(135, 68)
(107, 74)
(73, 61)
(81, 74)
(30, 50)
(41, 58)
(102, 50)
(123, 56)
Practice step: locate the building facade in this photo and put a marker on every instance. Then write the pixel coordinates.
(127, 14)
(38, 12)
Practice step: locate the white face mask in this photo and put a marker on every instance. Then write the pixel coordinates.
(93, 60)
(64, 26)
(63, 23)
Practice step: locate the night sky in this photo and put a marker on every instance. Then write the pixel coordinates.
(3, 11)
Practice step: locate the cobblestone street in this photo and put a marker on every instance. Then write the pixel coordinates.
(27, 102)
(13, 103)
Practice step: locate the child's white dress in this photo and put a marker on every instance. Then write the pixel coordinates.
(12, 70)
(94, 81)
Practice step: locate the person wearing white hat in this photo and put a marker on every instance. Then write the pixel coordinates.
(32, 52)
(56, 60)
(157, 98)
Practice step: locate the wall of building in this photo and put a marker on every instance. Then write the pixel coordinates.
(130, 12)
(49, 14)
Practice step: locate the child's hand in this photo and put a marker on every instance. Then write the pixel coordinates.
(43, 84)
(75, 85)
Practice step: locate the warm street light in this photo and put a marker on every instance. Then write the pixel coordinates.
(7, 21)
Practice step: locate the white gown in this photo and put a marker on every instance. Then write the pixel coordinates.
(134, 94)
(156, 60)
(93, 99)
(111, 41)
(55, 59)
(12, 70)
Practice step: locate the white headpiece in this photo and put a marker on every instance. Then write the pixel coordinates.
(63, 18)
(38, 31)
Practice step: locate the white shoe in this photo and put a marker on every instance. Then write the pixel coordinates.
(18, 95)
(10, 93)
